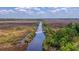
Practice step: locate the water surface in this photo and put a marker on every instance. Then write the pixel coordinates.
(36, 44)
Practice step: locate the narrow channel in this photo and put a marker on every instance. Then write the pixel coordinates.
(36, 44)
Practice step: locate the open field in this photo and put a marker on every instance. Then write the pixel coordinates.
(61, 35)
(60, 23)
(15, 35)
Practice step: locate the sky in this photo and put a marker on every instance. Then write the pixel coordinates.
(39, 12)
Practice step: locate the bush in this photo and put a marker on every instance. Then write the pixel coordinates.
(62, 39)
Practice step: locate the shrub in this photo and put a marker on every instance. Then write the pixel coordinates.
(62, 39)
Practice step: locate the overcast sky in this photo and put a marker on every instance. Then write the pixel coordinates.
(39, 12)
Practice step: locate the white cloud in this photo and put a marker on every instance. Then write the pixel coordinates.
(6, 11)
(20, 9)
(27, 8)
(65, 9)
(59, 9)
(33, 10)
(30, 10)
(23, 8)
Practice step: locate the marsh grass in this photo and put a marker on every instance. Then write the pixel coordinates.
(9, 38)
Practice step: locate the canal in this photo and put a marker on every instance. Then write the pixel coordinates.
(36, 43)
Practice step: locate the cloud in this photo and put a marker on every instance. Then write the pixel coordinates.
(65, 9)
(4, 11)
(59, 9)
(11, 11)
(30, 10)
(27, 9)
(23, 8)
(20, 9)
(39, 10)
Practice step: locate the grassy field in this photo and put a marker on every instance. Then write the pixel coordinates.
(62, 35)
(12, 33)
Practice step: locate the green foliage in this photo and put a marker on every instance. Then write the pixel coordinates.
(62, 39)
(68, 47)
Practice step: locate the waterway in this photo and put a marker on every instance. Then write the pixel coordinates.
(36, 43)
